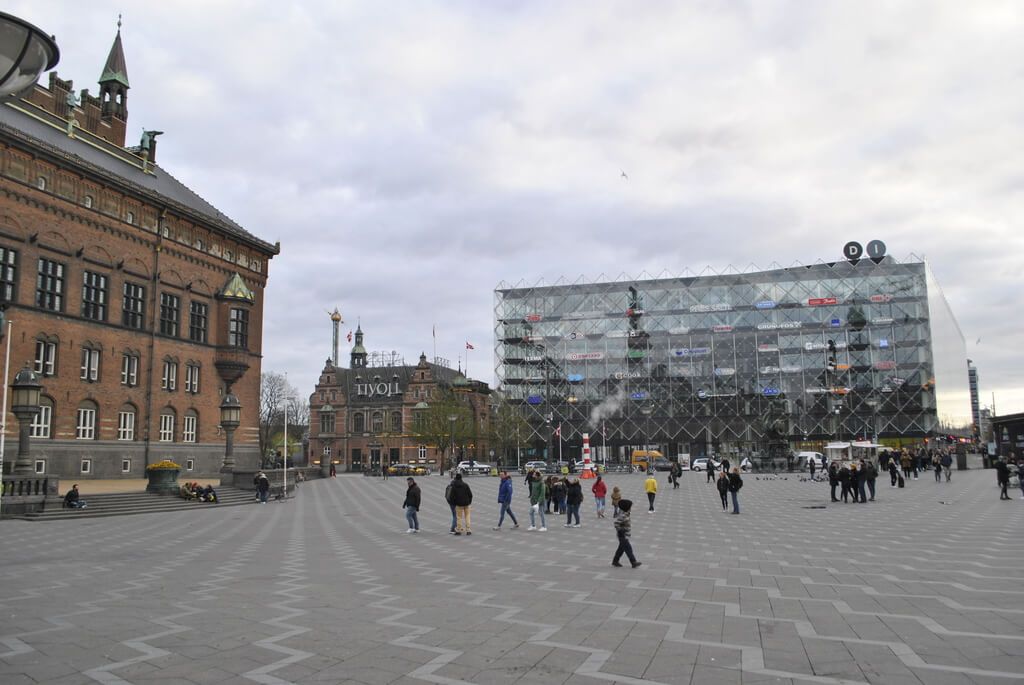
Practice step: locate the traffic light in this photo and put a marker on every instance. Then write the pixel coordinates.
(830, 360)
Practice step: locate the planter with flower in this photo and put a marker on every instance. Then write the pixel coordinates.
(163, 477)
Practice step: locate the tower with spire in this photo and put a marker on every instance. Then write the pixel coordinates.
(114, 82)
(358, 358)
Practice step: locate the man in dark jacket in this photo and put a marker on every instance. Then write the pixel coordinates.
(833, 479)
(412, 506)
(262, 486)
(461, 499)
(1003, 478)
(573, 499)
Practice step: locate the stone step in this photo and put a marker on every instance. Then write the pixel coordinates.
(122, 504)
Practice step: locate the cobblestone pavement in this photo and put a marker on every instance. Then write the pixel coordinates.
(925, 585)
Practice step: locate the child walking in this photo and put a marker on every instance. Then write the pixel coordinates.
(616, 498)
(622, 530)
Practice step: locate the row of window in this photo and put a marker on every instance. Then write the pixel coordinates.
(45, 364)
(86, 417)
(50, 294)
(85, 466)
(129, 217)
(327, 422)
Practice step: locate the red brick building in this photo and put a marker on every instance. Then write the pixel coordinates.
(137, 302)
(378, 411)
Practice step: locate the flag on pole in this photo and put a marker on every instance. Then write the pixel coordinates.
(558, 431)
(349, 336)
(469, 346)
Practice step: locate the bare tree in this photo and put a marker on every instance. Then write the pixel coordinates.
(273, 391)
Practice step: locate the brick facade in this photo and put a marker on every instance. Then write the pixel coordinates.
(374, 413)
(103, 218)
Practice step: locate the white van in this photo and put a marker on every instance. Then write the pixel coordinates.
(804, 460)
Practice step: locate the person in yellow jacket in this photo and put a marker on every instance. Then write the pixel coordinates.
(651, 486)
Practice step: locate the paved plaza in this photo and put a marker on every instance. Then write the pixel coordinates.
(924, 585)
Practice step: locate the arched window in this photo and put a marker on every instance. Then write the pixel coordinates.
(85, 421)
(42, 421)
(358, 422)
(167, 420)
(396, 422)
(378, 422)
(126, 422)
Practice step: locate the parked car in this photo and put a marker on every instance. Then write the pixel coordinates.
(662, 464)
(535, 465)
(479, 468)
(701, 464)
(556, 467)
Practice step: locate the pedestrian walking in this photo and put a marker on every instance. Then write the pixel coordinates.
(600, 490)
(711, 471)
(462, 498)
(906, 461)
(538, 495)
(505, 501)
(1002, 478)
(810, 461)
(947, 465)
(893, 471)
(622, 532)
(616, 498)
(651, 488)
(573, 500)
(412, 506)
(937, 467)
(723, 490)
(735, 483)
(334, 470)
(676, 471)
(1020, 477)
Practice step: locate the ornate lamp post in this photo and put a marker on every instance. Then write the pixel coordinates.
(451, 420)
(25, 405)
(25, 53)
(230, 417)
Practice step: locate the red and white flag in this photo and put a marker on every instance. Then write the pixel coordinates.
(349, 336)
(558, 431)
(469, 346)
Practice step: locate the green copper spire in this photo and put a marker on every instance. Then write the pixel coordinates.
(115, 68)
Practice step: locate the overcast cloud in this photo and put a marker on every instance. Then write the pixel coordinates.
(410, 155)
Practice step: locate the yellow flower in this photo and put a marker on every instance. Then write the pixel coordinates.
(165, 464)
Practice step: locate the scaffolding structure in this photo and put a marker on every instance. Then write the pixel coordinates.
(736, 362)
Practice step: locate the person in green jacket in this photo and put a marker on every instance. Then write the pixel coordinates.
(538, 496)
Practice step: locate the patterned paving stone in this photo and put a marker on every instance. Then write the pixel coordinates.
(924, 586)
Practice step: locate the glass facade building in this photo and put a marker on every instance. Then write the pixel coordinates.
(749, 363)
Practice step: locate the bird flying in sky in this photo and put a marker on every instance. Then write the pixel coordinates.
(624, 175)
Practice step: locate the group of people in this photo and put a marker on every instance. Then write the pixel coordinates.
(196, 492)
(552, 495)
(1003, 477)
(729, 483)
(856, 480)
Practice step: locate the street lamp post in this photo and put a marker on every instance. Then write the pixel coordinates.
(25, 53)
(452, 418)
(284, 462)
(646, 410)
(230, 417)
(25, 405)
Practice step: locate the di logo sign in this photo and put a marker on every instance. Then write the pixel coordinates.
(854, 251)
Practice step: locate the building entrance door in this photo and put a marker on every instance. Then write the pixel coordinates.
(375, 459)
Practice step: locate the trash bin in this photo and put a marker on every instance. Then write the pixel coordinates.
(961, 461)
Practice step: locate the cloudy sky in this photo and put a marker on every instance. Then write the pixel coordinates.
(410, 156)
